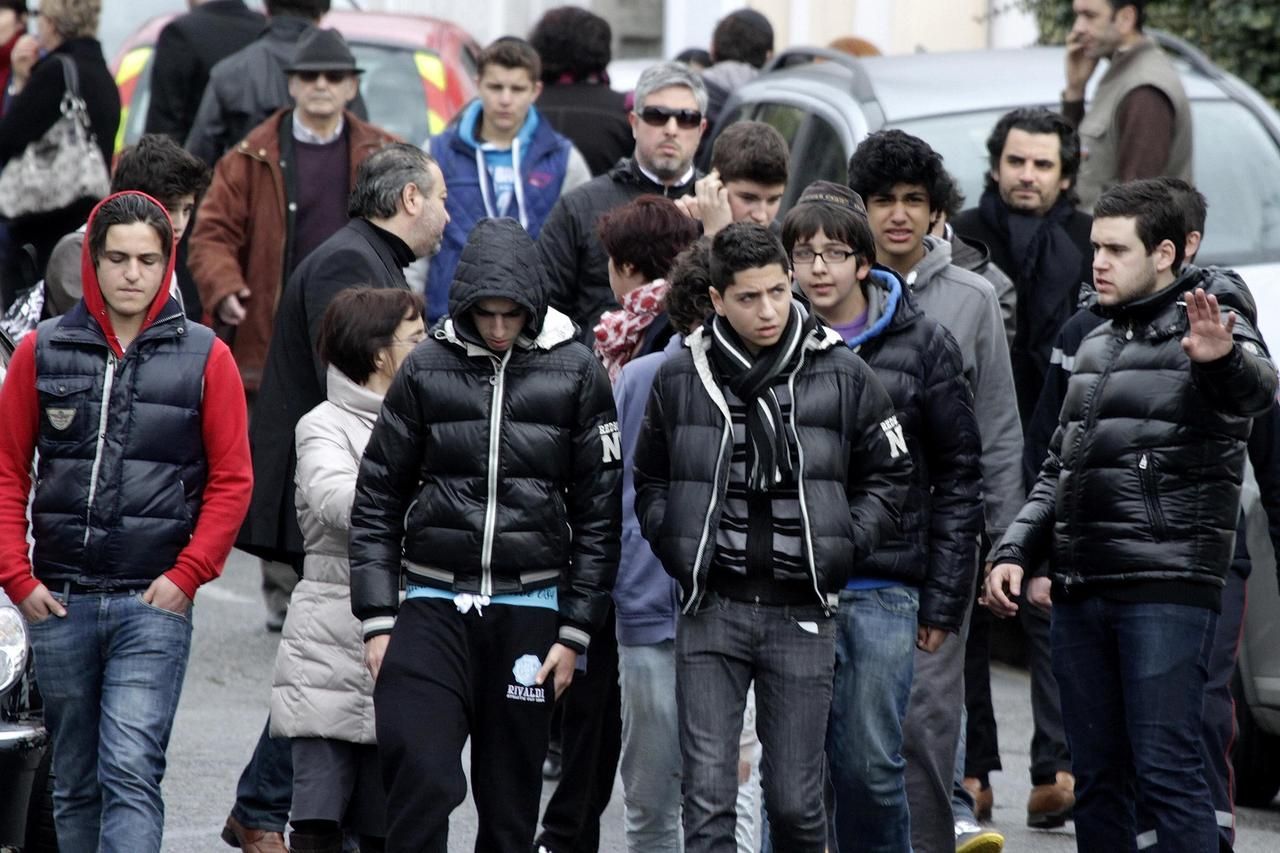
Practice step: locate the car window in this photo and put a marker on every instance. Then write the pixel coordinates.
(1243, 189)
(820, 157)
(135, 70)
(394, 89)
(784, 118)
(961, 139)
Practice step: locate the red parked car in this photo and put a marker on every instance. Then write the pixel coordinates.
(418, 71)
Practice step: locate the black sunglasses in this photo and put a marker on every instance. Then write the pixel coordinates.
(334, 77)
(659, 116)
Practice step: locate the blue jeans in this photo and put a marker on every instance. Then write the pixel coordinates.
(1132, 680)
(875, 655)
(110, 673)
(265, 789)
(650, 747)
(789, 652)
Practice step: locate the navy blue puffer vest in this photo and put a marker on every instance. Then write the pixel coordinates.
(122, 464)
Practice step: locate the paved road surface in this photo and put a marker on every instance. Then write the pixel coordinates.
(224, 705)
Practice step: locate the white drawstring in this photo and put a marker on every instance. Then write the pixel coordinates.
(465, 601)
(482, 167)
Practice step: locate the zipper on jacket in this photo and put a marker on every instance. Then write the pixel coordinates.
(108, 379)
(806, 530)
(1150, 494)
(1087, 424)
(491, 506)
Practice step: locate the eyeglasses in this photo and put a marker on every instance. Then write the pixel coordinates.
(334, 77)
(659, 116)
(805, 255)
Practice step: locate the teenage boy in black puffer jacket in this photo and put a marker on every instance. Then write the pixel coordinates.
(915, 588)
(770, 464)
(493, 478)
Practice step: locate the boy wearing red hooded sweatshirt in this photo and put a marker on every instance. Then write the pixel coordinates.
(142, 480)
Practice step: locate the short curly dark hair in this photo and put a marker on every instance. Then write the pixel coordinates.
(744, 246)
(689, 287)
(161, 168)
(890, 157)
(647, 233)
(572, 42)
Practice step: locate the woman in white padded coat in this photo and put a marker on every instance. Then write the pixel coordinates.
(322, 694)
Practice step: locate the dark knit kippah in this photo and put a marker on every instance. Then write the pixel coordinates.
(829, 192)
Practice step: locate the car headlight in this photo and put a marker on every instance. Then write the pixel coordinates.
(13, 646)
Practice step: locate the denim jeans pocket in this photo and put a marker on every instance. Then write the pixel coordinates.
(816, 624)
(899, 600)
(185, 618)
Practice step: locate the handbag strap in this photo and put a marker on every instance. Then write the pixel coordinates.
(70, 75)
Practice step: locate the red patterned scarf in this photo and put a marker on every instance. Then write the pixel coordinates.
(618, 332)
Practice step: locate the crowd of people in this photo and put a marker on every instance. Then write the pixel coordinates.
(643, 476)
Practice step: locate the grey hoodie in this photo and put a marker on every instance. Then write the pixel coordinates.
(966, 304)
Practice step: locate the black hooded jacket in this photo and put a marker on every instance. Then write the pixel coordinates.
(1140, 491)
(491, 474)
(920, 365)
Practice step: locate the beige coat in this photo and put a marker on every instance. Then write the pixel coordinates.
(321, 687)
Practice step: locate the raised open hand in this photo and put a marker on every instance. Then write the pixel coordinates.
(1208, 337)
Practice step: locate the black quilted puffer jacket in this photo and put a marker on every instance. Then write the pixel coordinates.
(854, 471)
(920, 365)
(1142, 480)
(495, 475)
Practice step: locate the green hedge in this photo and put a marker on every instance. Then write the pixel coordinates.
(1243, 36)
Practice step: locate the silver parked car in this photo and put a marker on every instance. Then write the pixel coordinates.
(824, 103)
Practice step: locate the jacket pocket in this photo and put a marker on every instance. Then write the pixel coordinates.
(64, 405)
(1149, 478)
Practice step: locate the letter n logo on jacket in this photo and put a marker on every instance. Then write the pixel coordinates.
(893, 432)
(611, 442)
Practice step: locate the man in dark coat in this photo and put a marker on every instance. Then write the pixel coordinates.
(1138, 498)
(397, 215)
(187, 49)
(667, 124)
(1028, 219)
(575, 46)
(251, 84)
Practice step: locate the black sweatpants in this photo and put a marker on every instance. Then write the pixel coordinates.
(448, 675)
(591, 743)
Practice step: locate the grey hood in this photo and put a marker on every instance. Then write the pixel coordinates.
(937, 258)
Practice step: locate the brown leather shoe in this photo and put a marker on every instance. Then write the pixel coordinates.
(252, 840)
(983, 798)
(1050, 806)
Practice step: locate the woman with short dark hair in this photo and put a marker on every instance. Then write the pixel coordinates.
(642, 239)
(322, 694)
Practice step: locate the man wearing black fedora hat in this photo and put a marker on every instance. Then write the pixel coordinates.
(279, 193)
(249, 85)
